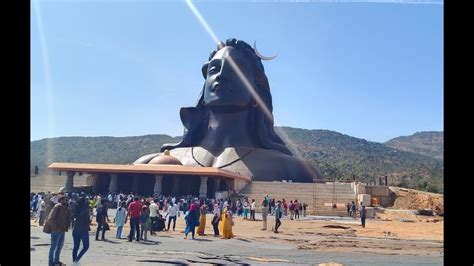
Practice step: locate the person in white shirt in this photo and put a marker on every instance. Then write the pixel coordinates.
(120, 219)
(246, 209)
(54, 199)
(154, 215)
(117, 201)
(253, 206)
(172, 212)
(40, 212)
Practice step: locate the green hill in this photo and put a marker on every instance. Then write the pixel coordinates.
(429, 143)
(119, 150)
(334, 154)
(340, 156)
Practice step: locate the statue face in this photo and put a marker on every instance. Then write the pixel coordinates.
(223, 87)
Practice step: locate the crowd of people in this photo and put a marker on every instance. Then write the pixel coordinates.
(352, 212)
(62, 211)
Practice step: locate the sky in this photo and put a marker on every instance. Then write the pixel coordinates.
(367, 69)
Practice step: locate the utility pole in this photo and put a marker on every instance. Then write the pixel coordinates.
(334, 193)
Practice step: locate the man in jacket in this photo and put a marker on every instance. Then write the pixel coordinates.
(59, 219)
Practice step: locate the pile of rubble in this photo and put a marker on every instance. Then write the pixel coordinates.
(418, 200)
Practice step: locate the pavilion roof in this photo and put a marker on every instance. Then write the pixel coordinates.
(146, 169)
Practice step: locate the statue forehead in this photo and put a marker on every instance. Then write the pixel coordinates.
(232, 51)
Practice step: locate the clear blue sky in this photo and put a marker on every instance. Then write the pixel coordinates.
(125, 68)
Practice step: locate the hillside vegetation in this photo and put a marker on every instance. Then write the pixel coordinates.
(429, 143)
(337, 156)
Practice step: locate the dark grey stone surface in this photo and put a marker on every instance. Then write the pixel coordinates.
(231, 126)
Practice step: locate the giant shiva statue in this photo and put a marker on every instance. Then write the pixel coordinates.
(231, 127)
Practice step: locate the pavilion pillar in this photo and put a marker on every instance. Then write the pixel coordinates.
(135, 184)
(158, 182)
(175, 186)
(230, 185)
(113, 183)
(95, 178)
(203, 187)
(218, 184)
(70, 181)
(238, 185)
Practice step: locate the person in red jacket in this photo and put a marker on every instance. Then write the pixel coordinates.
(134, 211)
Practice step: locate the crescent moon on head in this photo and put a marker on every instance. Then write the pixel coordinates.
(260, 55)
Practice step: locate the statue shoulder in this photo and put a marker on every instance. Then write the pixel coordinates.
(146, 158)
(179, 153)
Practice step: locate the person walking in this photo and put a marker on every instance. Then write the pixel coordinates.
(264, 213)
(240, 208)
(58, 220)
(363, 214)
(40, 216)
(192, 220)
(102, 218)
(154, 215)
(246, 209)
(278, 215)
(292, 210)
(300, 209)
(202, 219)
(253, 207)
(120, 219)
(144, 222)
(215, 222)
(80, 229)
(353, 210)
(348, 209)
(296, 209)
(228, 223)
(134, 211)
(272, 207)
(172, 213)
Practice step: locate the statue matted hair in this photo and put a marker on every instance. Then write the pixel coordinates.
(196, 119)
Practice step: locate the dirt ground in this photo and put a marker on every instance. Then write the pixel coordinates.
(395, 231)
(386, 234)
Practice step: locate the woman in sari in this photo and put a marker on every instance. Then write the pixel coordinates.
(223, 216)
(227, 222)
(202, 219)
